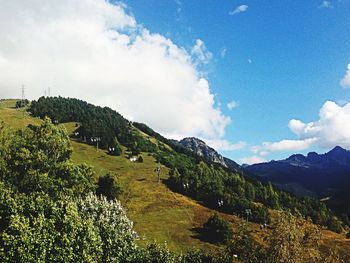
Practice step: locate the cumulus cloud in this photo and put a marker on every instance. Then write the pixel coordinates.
(96, 51)
(232, 105)
(224, 145)
(200, 53)
(239, 9)
(330, 130)
(345, 81)
(252, 160)
(283, 145)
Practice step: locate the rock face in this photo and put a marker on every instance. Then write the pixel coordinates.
(202, 149)
(232, 165)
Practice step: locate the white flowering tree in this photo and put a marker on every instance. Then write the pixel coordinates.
(114, 227)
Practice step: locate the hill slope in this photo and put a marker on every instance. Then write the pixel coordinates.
(159, 214)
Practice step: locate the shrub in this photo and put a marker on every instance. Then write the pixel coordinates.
(109, 187)
(218, 229)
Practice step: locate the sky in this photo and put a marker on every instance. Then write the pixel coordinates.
(256, 80)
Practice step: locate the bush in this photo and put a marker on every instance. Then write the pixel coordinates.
(218, 229)
(140, 159)
(116, 150)
(22, 103)
(334, 224)
(109, 187)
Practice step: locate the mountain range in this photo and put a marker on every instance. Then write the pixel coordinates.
(326, 176)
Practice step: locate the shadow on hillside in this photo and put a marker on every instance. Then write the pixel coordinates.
(200, 234)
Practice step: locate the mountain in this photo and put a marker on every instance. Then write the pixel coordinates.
(232, 165)
(190, 185)
(202, 149)
(321, 175)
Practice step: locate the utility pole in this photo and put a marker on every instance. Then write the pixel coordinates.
(157, 170)
(23, 96)
(23, 99)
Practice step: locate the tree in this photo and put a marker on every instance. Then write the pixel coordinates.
(245, 247)
(37, 159)
(294, 240)
(114, 227)
(109, 187)
(218, 229)
(22, 103)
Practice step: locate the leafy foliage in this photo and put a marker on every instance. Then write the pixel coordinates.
(294, 240)
(37, 160)
(96, 122)
(21, 103)
(190, 174)
(218, 229)
(47, 211)
(109, 187)
(245, 247)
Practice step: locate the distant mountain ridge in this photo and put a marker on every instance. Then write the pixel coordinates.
(200, 148)
(320, 175)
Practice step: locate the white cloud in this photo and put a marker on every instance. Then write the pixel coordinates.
(200, 53)
(96, 51)
(284, 145)
(179, 15)
(252, 160)
(223, 52)
(332, 128)
(264, 153)
(345, 82)
(224, 145)
(232, 105)
(239, 9)
(326, 4)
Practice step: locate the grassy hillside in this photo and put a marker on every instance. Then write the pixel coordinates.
(158, 213)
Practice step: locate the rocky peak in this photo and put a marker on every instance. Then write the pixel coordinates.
(202, 149)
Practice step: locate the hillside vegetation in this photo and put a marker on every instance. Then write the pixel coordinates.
(208, 182)
(158, 213)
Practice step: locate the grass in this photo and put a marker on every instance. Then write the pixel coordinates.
(16, 119)
(158, 213)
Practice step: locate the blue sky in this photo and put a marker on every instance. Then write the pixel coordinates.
(283, 59)
(283, 67)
